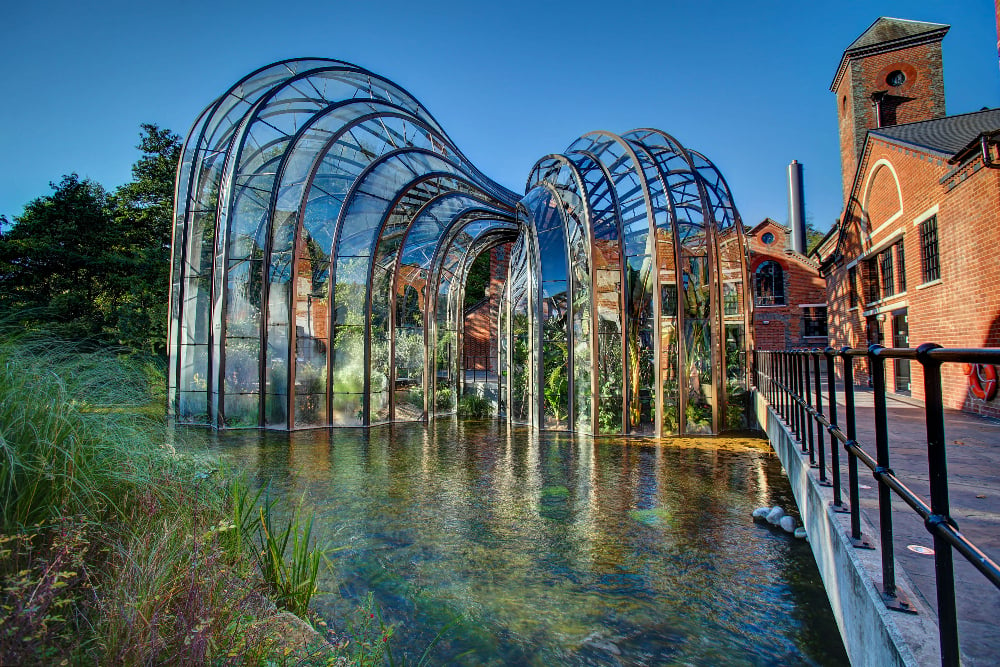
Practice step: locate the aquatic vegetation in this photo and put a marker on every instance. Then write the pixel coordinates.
(285, 553)
(117, 549)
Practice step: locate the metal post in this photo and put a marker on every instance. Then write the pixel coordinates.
(938, 467)
(820, 445)
(852, 462)
(806, 384)
(800, 406)
(831, 385)
(877, 364)
(782, 367)
(787, 382)
(797, 396)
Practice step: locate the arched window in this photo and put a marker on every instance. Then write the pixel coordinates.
(769, 283)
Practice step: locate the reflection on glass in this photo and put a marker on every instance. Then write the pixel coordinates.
(325, 228)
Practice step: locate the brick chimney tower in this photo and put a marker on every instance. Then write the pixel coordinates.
(891, 74)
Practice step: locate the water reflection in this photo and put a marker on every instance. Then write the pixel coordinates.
(545, 548)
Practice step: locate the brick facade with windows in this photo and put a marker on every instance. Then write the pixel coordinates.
(479, 340)
(789, 294)
(916, 255)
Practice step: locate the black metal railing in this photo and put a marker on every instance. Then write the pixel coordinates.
(784, 379)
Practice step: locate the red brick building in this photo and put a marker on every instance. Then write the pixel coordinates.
(916, 255)
(789, 294)
(479, 341)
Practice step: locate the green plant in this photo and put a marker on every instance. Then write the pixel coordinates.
(72, 437)
(443, 398)
(114, 548)
(475, 407)
(288, 560)
(285, 554)
(556, 389)
(45, 582)
(369, 636)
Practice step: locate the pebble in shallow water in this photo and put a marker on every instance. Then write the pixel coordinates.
(777, 517)
(774, 516)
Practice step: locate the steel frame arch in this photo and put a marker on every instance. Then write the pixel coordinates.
(238, 191)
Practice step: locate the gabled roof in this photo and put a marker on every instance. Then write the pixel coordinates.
(950, 137)
(889, 34)
(946, 136)
(767, 221)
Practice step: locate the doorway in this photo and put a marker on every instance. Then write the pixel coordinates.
(901, 338)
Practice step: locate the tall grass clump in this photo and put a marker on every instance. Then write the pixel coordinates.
(285, 553)
(72, 436)
(115, 548)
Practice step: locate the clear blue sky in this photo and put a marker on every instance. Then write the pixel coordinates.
(744, 82)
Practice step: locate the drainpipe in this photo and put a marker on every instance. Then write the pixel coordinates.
(877, 98)
(984, 143)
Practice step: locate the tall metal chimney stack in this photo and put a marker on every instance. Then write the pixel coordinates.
(796, 207)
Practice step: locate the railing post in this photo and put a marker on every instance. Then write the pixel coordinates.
(793, 411)
(820, 444)
(890, 596)
(789, 390)
(852, 461)
(937, 461)
(783, 388)
(831, 384)
(807, 385)
(783, 384)
(772, 377)
(800, 432)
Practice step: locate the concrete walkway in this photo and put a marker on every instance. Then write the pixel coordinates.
(974, 477)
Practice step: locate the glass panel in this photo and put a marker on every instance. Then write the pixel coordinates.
(347, 410)
(242, 410)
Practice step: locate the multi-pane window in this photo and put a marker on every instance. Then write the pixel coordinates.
(872, 292)
(814, 322)
(885, 272)
(852, 285)
(901, 266)
(930, 268)
(769, 281)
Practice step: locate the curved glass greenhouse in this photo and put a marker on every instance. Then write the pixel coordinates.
(325, 226)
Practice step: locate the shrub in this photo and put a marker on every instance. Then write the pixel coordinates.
(475, 407)
(114, 548)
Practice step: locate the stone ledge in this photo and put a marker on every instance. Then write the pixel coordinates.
(872, 633)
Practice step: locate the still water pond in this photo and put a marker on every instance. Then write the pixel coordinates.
(543, 549)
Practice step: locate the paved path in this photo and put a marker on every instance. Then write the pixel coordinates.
(974, 477)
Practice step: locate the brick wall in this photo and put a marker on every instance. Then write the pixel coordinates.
(921, 97)
(962, 308)
(480, 337)
(781, 327)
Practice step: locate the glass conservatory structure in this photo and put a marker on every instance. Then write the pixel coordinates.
(325, 225)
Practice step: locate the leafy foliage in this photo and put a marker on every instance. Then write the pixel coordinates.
(116, 549)
(813, 236)
(91, 265)
(474, 406)
(478, 281)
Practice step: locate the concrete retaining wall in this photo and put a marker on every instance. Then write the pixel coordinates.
(872, 633)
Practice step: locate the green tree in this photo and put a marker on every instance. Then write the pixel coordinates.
(49, 270)
(143, 216)
(813, 236)
(478, 281)
(86, 264)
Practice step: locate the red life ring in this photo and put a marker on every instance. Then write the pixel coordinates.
(982, 380)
